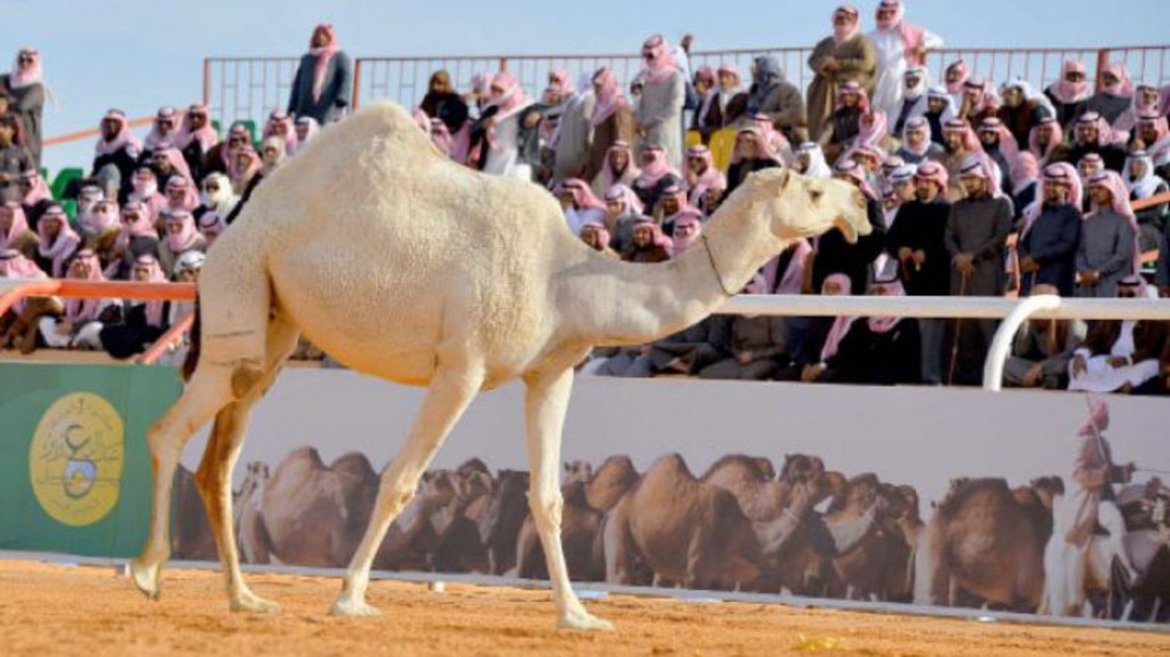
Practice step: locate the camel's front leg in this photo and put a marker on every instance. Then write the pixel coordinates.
(451, 391)
(546, 400)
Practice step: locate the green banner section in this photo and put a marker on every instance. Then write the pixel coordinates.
(74, 465)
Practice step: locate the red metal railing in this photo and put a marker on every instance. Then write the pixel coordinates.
(250, 87)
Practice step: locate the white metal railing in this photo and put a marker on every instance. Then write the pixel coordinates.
(1014, 312)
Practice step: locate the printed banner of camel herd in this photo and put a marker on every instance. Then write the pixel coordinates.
(741, 526)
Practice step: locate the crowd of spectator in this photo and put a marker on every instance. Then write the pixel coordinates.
(973, 190)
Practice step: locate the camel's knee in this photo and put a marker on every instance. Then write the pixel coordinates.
(245, 377)
(395, 492)
(547, 507)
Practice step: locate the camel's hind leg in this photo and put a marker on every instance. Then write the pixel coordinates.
(451, 391)
(214, 476)
(545, 403)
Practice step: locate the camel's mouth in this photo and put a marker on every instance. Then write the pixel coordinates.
(846, 227)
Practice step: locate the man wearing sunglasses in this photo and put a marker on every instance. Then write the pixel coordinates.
(24, 85)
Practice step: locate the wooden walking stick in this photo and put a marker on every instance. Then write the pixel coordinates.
(955, 340)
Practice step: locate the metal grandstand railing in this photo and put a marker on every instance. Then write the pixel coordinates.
(250, 87)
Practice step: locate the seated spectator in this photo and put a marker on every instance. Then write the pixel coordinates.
(1093, 135)
(777, 143)
(142, 322)
(37, 197)
(19, 326)
(1107, 250)
(307, 128)
(960, 143)
(618, 167)
(877, 350)
(810, 161)
(580, 205)
(870, 160)
(220, 158)
(940, 110)
(756, 346)
(917, 145)
(162, 133)
(772, 94)
(443, 102)
(873, 132)
(622, 211)
(1115, 95)
(211, 226)
(979, 102)
(687, 227)
(1146, 98)
(648, 244)
(752, 153)
(196, 138)
(821, 338)
(14, 160)
(57, 242)
(687, 352)
(1070, 95)
(217, 197)
(116, 153)
(181, 194)
(323, 84)
(845, 122)
(1023, 109)
(1155, 139)
(654, 177)
(703, 85)
(597, 237)
(1025, 182)
(670, 207)
(1042, 351)
(245, 165)
(915, 83)
(1046, 142)
(785, 274)
(100, 228)
(144, 190)
(179, 236)
(724, 104)
(999, 144)
(834, 254)
(1051, 232)
(1162, 275)
(137, 237)
(82, 323)
(15, 235)
(167, 163)
(1143, 183)
(613, 125)
(280, 125)
(1118, 356)
(701, 174)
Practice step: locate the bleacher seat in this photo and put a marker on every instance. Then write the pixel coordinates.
(722, 145)
(64, 177)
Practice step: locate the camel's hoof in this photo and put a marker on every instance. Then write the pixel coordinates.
(146, 578)
(583, 620)
(248, 601)
(347, 607)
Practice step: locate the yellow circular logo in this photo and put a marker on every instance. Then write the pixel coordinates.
(75, 462)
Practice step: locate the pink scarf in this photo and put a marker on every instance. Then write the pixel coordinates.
(1007, 141)
(59, 248)
(142, 226)
(792, 278)
(856, 173)
(205, 136)
(178, 164)
(1159, 151)
(211, 226)
(104, 216)
(190, 198)
(1062, 172)
(159, 137)
(875, 132)
(39, 191)
(658, 238)
(19, 225)
(971, 143)
(956, 86)
(609, 96)
(26, 75)
(84, 310)
(238, 176)
(1025, 170)
(853, 89)
(583, 197)
(655, 170)
(886, 324)
(935, 173)
(690, 220)
(154, 309)
(124, 138)
(912, 35)
(323, 55)
(843, 33)
(1106, 135)
(620, 193)
(513, 98)
(1123, 88)
(15, 265)
(1043, 151)
(916, 124)
(609, 177)
(659, 60)
(842, 323)
(280, 117)
(1112, 181)
(187, 235)
(1071, 92)
(711, 176)
(441, 136)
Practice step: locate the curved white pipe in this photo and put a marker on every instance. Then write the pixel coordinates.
(1001, 346)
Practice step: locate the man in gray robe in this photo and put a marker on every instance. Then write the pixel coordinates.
(660, 109)
(574, 132)
(325, 93)
(1043, 350)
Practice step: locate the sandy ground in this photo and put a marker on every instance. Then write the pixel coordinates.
(91, 612)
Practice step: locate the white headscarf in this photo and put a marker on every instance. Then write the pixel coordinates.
(1147, 185)
(817, 166)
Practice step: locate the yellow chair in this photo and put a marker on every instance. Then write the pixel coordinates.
(694, 138)
(722, 145)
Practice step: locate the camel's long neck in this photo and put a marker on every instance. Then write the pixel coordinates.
(617, 303)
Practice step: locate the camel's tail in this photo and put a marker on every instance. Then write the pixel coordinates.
(193, 350)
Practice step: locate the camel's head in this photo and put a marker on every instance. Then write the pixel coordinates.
(575, 471)
(797, 207)
(1047, 488)
(801, 468)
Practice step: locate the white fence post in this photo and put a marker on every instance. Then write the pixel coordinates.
(1001, 346)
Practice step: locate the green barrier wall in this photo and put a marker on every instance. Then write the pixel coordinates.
(74, 466)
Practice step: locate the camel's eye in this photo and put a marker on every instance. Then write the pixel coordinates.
(816, 195)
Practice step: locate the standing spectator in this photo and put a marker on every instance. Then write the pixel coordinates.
(1046, 142)
(914, 100)
(1022, 109)
(846, 56)
(180, 236)
(917, 146)
(1043, 350)
(1051, 232)
(1070, 95)
(1115, 95)
(196, 138)
(115, 154)
(14, 160)
(1119, 355)
(82, 323)
(1143, 183)
(726, 103)
(773, 95)
(324, 80)
(960, 143)
(1107, 250)
(976, 236)
(659, 111)
(162, 133)
(752, 153)
(26, 87)
(281, 125)
(36, 197)
(655, 176)
(898, 45)
(1093, 135)
(444, 103)
(15, 234)
(702, 175)
(505, 139)
(1025, 182)
(917, 240)
(834, 254)
(704, 85)
(572, 139)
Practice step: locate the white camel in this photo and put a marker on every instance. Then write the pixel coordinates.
(403, 265)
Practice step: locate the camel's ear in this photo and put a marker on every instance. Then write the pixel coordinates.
(769, 183)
